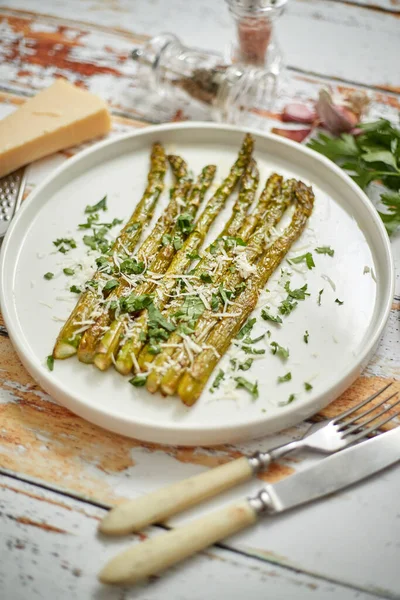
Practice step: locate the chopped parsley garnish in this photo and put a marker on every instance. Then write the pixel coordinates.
(110, 285)
(245, 384)
(286, 306)
(291, 398)
(177, 242)
(319, 296)
(138, 380)
(166, 239)
(206, 277)
(231, 242)
(248, 340)
(133, 303)
(159, 328)
(183, 328)
(154, 349)
(101, 205)
(50, 362)
(325, 250)
(157, 320)
(217, 381)
(213, 249)
(267, 317)
(284, 378)
(90, 221)
(214, 302)
(133, 227)
(307, 386)
(75, 289)
(279, 350)
(307, 258)
(92, 283)
(193, 255)
(49, 275)
(250, 350)
(190, 311)
(299, 293)
(338, 301)
(306, 336)
(97, 241)
(104, 265)
(130, 266)
(246, 329)
(244, 366)
(240, 287)
(64, 245)
(68, 271)
(185, 223)
(290, 303)
(225, 294)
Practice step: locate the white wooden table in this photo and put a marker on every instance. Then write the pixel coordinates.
(58, 473)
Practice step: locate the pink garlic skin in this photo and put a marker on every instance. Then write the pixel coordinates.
(336, 119)
(296, 135)
(298, 113)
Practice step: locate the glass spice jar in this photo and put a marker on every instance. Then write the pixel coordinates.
(180, 77)
(254, 32)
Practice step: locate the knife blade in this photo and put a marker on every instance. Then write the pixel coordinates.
(335, 472)
(329, 475)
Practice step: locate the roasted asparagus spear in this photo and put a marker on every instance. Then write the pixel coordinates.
(193, 381)
(238, 221)
(182, 260)
(231, 276)
(147, 250)
(69, 337)
(108, 344)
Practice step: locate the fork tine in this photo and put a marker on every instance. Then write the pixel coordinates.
(367, 412)
(373, 418)
(373, 428)
(348, 412)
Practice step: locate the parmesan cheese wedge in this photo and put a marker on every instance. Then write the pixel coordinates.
(57, 118)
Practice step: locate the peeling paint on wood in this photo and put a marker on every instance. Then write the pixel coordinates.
(101, 62)
(53, 565)
(372, 63)
(42, 441)
(40, 525)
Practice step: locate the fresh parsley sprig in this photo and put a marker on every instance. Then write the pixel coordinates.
(373, 155)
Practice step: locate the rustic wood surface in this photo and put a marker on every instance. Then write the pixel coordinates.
(59, 472)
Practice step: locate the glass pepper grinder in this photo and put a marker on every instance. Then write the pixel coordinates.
(254, 38)
(200, 83)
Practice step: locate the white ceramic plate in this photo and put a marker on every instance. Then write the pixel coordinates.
(341, 337)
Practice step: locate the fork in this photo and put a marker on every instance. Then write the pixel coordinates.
(326, 437)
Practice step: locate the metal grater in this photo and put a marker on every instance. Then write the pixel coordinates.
(11, 192)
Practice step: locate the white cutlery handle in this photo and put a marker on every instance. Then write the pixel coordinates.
(157, 554)
(157, 506)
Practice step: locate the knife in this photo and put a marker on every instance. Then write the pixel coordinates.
(329, 475)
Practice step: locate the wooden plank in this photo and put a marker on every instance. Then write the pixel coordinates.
(41, 440)
(100, 62)
(49, 548)
(390, 6)
(374, 63)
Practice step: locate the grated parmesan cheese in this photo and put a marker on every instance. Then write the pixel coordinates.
(329, 280)
(244, 267)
